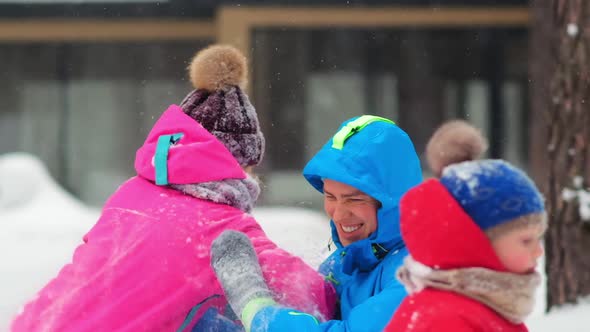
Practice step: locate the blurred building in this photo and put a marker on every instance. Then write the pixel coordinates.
(81, 82)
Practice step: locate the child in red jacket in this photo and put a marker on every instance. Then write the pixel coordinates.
(474, 236)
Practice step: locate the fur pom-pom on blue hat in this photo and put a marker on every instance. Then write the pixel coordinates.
(492, 192)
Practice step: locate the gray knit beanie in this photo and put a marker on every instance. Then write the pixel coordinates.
(219, 75)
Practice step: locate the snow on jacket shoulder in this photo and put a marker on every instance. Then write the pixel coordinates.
(145, 264)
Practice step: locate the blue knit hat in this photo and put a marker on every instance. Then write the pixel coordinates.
(491, 192)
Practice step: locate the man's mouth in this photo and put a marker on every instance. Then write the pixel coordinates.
(350, 228)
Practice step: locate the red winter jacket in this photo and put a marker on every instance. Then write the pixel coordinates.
(439, 234)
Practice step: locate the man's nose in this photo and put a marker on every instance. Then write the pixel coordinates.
(340, 212)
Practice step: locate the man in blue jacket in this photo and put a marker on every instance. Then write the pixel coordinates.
(363, 171)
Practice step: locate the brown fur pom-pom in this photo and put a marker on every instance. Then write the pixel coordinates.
(218, 67)
(454, 142)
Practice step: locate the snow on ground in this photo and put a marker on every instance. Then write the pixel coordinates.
(567, 319)
(41, 224)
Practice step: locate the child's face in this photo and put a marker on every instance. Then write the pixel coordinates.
(520, 248)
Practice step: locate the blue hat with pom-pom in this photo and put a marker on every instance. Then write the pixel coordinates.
(492, 191)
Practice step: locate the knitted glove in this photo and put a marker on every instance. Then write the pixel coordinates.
(236, 265)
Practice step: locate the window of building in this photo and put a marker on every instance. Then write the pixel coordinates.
(306, 82)
(85, 108)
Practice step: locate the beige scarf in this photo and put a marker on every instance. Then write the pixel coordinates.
(511, 295)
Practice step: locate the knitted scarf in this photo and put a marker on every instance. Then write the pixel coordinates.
(510, 295)
(239, 193)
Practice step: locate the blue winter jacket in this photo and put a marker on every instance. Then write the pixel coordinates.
(379, 160)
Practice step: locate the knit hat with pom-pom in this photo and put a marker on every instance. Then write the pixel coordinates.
(219, 75)
(453, 142)
(495, 194)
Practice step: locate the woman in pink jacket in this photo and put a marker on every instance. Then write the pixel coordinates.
(144, 266)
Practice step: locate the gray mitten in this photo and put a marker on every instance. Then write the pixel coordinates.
(236, 265)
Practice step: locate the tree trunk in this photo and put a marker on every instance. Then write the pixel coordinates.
(562, 28)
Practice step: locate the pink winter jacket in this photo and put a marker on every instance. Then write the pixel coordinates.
(145, 264)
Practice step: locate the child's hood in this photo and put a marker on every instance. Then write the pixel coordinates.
(178, 150)
(439, 234)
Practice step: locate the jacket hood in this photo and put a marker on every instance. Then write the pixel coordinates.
(379, 159)
(178, 150)
(438, 233)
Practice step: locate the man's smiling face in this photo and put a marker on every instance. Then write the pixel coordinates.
(353, 212)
